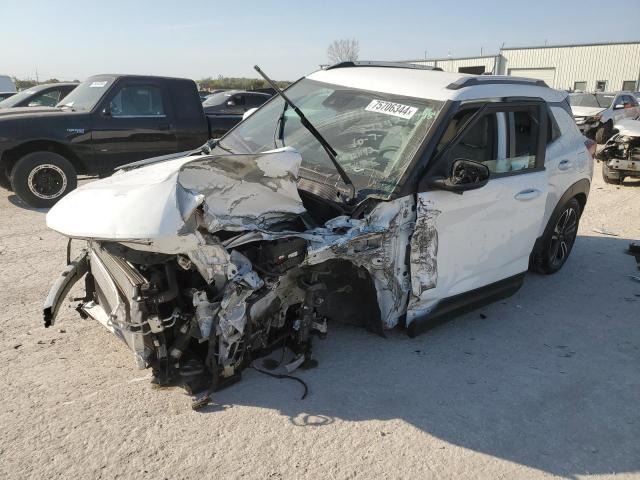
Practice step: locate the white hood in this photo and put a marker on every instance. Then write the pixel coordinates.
(586, 111)
(151, 207)
(628, 127)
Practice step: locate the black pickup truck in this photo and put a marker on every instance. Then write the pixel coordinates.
(105, 122)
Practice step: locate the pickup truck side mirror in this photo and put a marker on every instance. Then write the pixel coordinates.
(231, 103)
(106, 111)
(465, 175)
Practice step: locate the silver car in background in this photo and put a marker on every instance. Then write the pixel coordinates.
(597, 113)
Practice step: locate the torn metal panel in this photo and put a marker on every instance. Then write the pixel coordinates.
(377, 243)
(424, 248)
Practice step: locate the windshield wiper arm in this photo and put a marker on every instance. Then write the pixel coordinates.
(309, 126)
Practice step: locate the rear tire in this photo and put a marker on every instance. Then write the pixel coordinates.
(40, 179)
(611, 177)
(604, 133)
(558, 239)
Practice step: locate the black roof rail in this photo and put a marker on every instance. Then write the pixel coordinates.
(373, 63)
(494, 79)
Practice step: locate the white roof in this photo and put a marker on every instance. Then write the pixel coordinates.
(431, 84)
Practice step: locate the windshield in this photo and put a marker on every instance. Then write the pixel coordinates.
(597, 100)
(17, 98)
(374, 134)
(86, 95)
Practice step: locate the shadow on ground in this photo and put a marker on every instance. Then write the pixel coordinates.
(549, 379)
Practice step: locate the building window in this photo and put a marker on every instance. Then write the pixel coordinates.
(579, 86)
(479, 70)
(629, 85)
(601, 85)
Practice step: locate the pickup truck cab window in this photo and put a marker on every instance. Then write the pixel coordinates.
(137, 101)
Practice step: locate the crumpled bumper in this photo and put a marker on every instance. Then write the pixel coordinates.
(75, 271)
(112, 297)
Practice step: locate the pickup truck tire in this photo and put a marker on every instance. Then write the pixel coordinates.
(42, 178)
(558, 238)
(604, 133)
(610, 176)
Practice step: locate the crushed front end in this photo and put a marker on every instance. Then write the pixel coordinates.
(621, 154)
(226, 264)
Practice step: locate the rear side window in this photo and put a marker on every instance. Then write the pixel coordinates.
(137, 101)
(553, 130)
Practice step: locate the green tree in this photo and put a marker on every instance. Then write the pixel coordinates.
(24, 84)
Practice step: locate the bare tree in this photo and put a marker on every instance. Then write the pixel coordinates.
(343, 50)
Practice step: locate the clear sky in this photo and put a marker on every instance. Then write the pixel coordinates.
(71, 39)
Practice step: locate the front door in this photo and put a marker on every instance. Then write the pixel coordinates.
(463, 242)
(133, 124)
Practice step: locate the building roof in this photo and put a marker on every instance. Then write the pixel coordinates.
(568, 45)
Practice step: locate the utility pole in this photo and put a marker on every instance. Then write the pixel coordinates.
(37, 80)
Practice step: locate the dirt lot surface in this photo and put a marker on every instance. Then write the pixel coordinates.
(545, 383)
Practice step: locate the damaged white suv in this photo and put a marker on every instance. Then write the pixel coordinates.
(381, 195)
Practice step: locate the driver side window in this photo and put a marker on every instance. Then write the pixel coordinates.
(137, 101)
(505, 141)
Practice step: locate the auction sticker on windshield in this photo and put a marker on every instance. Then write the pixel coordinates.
(97, 84)
(390, 108)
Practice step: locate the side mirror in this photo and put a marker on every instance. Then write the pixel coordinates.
(231, 103)
(619, 106)
(106, 111)
(465, 175)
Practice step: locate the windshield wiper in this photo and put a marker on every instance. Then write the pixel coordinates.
(278, 133)
(312, 130)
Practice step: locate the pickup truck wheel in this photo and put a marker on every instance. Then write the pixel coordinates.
(558, 239)
(604, 133)
(42, 178)
(610, 176)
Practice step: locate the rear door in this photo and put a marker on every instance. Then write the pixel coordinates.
(463, 242)
(134, 122)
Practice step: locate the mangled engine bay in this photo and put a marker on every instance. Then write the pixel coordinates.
(202, 264)
(622, 151)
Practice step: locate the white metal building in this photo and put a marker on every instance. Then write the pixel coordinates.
(587, 67)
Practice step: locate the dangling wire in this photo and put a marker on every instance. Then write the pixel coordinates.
(282, 375)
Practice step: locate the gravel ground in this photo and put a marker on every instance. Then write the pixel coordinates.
(548, 384)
